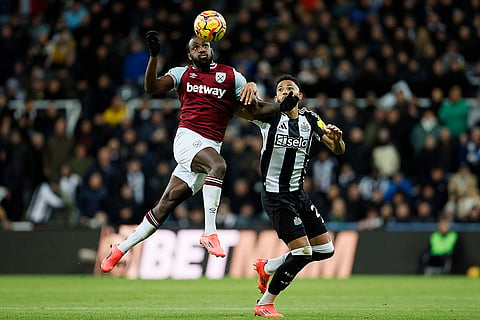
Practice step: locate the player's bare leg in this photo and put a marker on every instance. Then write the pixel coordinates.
(212, 163)
(176, 192)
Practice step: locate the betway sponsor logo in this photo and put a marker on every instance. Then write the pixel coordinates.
(290, 142)
(203, 89)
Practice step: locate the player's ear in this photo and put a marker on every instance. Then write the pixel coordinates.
(300, 95)
(189, 56)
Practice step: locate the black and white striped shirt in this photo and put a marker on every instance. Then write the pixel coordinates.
(286, 144)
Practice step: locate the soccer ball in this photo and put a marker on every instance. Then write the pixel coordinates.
(210, 26)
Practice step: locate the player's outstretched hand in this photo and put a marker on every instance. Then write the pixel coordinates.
(153, 43)
(289, 102)
(333, 132)
(248, 92)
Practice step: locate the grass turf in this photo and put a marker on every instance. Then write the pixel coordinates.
(359, 297)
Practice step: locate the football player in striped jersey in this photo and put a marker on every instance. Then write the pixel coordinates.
(287, 137)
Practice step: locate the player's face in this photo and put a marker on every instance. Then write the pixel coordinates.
(200, 53)
(283, 89)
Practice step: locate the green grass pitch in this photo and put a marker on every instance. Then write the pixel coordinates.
(359, 297)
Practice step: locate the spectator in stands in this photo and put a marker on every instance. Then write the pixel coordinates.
(225, 217)
(134, 64)
(35, 168)
(424, 212)
(467, 204)
(356, 207)
(111, 175)
(15, 176)
(123, 208)
(74, 14)
(323, 171)
(242, 195)
(92, 201)
(436, 99)
(157, 182)
(147, 159)
(136, 180)
(463, 191)
(116, 113)
(402, 212)
(398, 183)
(45, 119)
(448, 146)
(462, 182)
(358, 149)
(45, 199)
(58, 149)
(427, 125)
(80, 161)
(385, 155)
(469, 152)
(428, 158)
(61, 50)
(25, 117)
(454, 112)
(69, 183)
(373, 125)
(371, 183)
(338, 212)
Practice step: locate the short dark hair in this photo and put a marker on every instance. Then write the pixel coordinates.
(188, 42)
(288, 77)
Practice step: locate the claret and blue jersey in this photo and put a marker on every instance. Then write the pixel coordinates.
(207, 97)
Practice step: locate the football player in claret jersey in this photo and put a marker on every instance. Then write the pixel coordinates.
(287, 137)
(210, 94)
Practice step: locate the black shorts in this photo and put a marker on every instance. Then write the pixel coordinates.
(293, 215)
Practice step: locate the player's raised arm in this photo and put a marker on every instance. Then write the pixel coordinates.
(251, 106)
(152, 83)
(257, 109)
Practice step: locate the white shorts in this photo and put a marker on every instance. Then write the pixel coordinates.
(186, 145)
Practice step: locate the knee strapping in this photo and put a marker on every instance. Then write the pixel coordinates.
(323, 251)
(297, 259)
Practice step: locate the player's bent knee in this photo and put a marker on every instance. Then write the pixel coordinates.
(302, 255)
(298, 261)
(219, 168)
(323, 251)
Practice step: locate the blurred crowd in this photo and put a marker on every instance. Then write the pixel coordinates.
(400, 78)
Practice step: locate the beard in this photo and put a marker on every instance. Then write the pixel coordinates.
(203, 64)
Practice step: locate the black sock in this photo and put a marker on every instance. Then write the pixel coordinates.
(287, 271)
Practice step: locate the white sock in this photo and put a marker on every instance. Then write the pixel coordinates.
(212, 191)
(272, 264)
(267, 298)
(143, 231)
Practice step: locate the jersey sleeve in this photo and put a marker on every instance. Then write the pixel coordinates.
(240, 81)
(176, 73)
(317, 124)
